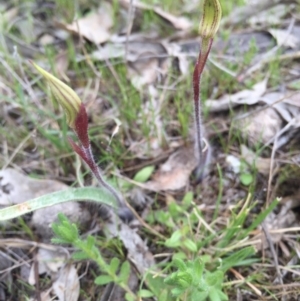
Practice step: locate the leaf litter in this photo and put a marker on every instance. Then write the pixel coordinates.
(269, 115)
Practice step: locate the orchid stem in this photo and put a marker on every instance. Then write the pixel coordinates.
(199, 66)
(97, 173)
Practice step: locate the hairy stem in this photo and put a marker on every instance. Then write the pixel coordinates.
(199, 66)
(97, 173)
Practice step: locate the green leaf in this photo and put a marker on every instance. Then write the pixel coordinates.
(103, 279)
(145, 293)
(90, 242)
(158, 286)
(190, 245)
(129, 297)
(66, 231)
(213, 295)
(114, 265)
(179, 264)
(261, 217)
(124, 271)
(237, 257)
(179, 255)
(246, 179)
(177, 291)
(223, 296)
(58, 241)
(199, 296)
(185, 279)
(144, 174)
(174, 240)
(187, 199)
(171, 280)
(214, 279)
(80, 255)
(100, 195)
(198, 268)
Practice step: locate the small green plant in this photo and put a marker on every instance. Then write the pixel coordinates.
(194, 282)
(192, 274)
(67, 233)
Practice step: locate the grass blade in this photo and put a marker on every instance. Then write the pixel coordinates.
(73, 194)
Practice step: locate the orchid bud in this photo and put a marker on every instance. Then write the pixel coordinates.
(211, 18)
(64, 95)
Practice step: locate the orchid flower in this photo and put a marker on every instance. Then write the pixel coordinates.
(208, 28)
(77, 119)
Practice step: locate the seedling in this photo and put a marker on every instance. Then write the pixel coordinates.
(208, 28)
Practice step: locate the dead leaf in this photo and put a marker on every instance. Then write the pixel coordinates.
(181, 23)
(240, 14)
(110, 51)
(148, 62)
(49, 261)
(138, 252)
(96, 26)
(261, 127)
(174, 174)
(269, 17)
(148, 66)
(261, 164)
(143, 72)
(284, 38)
(67, 287)
(248, 97)
(46, 39)
(286, 218)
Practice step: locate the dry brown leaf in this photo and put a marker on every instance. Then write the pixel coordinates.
(138, 252)
(240, 14)
(261, 164)
(96, 26)
(147, 67)
(286, 218)
(50, 261)
(285, 38)
(46, 39)
(67, 287)
(61, 65)
(261, 127)
(271, 16)
(110, 51)
(148, 62)
(174, 174)
(144, 72)
(248, 97)
(181, 23)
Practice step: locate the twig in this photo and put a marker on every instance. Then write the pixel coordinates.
(271, 245)
(239, 276)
